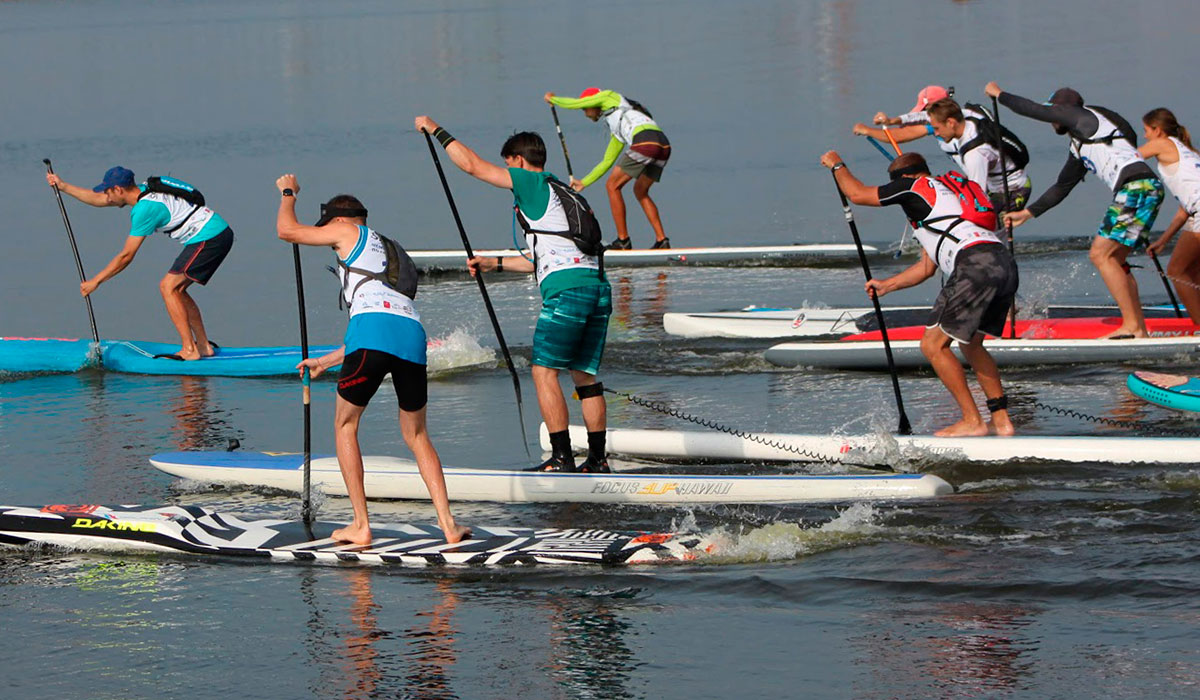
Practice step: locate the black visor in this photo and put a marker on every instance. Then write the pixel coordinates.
(329, 213)
(914, 170)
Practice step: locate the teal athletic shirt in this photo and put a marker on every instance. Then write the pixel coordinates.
(147, 216)
(532, 196)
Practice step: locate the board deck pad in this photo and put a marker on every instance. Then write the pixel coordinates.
(195, 530)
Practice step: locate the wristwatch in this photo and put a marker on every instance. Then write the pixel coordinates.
(287, 192)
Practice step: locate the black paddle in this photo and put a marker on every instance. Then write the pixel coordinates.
(74, 249)
(563, 140)
(306, 503)
(905, 428)
(487, 301)
(999, 144)
(1170, 292)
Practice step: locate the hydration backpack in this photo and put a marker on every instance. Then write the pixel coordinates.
(976, 207)
(175, 188)
(583, 228)
(638, 106)
(1016, 154)
(399, 274)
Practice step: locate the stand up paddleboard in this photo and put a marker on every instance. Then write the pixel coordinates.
(869, 354)
(872, 449)
(389, 477)
(1046, 328)
(193, 530)
(456, 260)
(1169, 390)
(761, 322)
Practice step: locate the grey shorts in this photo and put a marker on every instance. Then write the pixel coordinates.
(636, 169)
(978, 294)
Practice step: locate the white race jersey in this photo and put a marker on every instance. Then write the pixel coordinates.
(1183, 177)
(371, 295)
(981, 163)
(624, 119)
(191, 217)
(941, 247)
(552, 253)
(1108, 155)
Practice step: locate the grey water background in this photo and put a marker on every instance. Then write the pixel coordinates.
(1034, 580)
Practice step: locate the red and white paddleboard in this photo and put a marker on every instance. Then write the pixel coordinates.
(1055, 328)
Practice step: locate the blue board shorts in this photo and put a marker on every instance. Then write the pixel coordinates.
(1130, 216)
(572, 327)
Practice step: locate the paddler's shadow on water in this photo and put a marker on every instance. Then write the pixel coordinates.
(356, 657)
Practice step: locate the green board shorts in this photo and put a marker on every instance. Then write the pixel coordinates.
(1132, 213)
(572, 328)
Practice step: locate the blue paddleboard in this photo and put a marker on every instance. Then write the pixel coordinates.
(1170, 390)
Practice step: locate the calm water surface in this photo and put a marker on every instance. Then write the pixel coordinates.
(1032, 581)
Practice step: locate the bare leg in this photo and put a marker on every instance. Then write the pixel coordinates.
(196, 323)
(1109, 257)
(345, 423)
(551, 401)
(988, 376)
(412, 426)
(1185, 265)
(595, 409)
(641, 190)
(935, 345)
(616, 201)
(173, 288)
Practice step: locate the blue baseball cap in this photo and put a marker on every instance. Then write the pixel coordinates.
(116, 177)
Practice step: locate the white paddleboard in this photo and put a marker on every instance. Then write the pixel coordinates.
(391, 477)
(647, 257)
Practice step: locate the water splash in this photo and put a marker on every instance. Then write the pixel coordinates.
(457, 350)
(856, 525)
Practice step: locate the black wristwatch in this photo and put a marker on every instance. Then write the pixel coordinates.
(287, 192)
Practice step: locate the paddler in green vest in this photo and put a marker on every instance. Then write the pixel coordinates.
(646, 151)
(162, 205)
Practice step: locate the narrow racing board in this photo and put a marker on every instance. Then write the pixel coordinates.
(194, 530)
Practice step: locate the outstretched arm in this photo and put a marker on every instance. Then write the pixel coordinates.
(114, 266)
(851, 186)
(902, 134)
(911, 276)
(466, 159)
(96, 199)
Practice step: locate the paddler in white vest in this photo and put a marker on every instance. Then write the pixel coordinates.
(1101, 142)
(643, 151)
(205, 236)
(1179, 164)
(959, 131)
(384, 336)
(979, 289)
(576, 298)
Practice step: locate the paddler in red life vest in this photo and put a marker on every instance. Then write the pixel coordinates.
(646, 150)
(1101, 142)
(980, 286)
(161, 205)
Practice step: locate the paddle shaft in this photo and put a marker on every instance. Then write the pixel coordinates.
(888, 134)
(999, 144)
(905, 427)
(880, 148)
(1167, 284)
(563, 140)
(306, 513)
(62, 209)
(487, 300)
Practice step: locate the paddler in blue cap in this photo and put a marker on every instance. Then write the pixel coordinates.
(173, 207)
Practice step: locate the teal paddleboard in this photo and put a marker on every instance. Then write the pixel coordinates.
(1169, 390)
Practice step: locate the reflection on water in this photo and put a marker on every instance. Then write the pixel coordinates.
(431, 646)
(591, 658)
(636, 314)
(952, 649)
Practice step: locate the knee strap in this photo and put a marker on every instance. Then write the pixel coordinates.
(589, 391)
(1000, 403)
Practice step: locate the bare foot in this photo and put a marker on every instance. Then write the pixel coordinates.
(1123, 333)
(964, 428)
(1001, 426)
(353, 533)
(193, 355)
(456, 533)
(207, 351)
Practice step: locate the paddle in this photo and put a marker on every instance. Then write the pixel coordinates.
(999, 145)
(563, 140)
(880, 148)
(306, 502)
(487, 301)
(74, 249)
(905, 428)
(1170, 292)
(891, 138)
